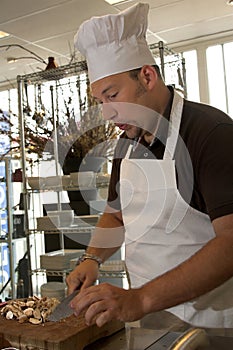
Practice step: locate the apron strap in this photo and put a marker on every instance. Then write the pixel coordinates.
(174, 126)
(173, 129)
(128, 153)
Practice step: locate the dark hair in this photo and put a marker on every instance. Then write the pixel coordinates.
(134, 72)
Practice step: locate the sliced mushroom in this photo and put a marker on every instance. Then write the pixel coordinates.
(21, 304)
(28, 312)
(30, 303)
(35, 321)
(34, 309)
(37, 314)
(45, 314)
(23, 318)
(9, 315)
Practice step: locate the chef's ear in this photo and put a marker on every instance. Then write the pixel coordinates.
(149, 76)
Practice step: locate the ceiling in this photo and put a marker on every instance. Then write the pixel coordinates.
(47, 28)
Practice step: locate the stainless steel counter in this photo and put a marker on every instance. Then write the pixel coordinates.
(140, 339)
(135, 339)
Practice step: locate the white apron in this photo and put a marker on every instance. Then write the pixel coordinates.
(162, 230)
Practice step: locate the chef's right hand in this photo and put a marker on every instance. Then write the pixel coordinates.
(83, 276)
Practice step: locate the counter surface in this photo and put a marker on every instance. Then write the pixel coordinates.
(136, 339)
(141, 339)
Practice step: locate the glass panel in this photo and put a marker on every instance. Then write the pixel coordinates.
(13, 101)
(192, 75)
(228, 56)
(4, 100)
(215, 69)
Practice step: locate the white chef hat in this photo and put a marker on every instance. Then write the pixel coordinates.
(115, 43)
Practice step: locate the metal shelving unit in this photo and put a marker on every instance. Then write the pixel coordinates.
(39, 78)
(69, 188)
(9, 236)
(169, 59)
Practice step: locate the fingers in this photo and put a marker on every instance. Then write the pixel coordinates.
(104, 302)
(73, 281)
(83, 300)
(87, 283)
(99, 304)
(99, 313)
(84, 275)
(103, 318)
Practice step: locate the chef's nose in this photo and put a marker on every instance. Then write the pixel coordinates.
(109, 111)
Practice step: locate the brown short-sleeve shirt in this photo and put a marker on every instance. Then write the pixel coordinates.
(204, 170)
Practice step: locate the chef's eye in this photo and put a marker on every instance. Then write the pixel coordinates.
(111, 97)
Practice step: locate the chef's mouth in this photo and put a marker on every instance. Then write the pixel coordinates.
(122, 126)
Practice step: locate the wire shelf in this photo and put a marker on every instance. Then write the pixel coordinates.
(158, 47)
(69, 188)
(64, 230)
(81, 66)
(54, 273)
(55, 74)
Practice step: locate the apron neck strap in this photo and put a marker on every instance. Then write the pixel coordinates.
(128, 153)
(174, 126)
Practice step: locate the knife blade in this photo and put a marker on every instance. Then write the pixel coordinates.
(63, 309)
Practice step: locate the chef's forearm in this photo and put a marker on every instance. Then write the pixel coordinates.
(108, 236)
(204, 271)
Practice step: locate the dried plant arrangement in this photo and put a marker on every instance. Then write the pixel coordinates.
(62, 112)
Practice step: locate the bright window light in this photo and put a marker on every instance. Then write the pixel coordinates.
(228, 57)
(115, 2)
(220, 78)
(216, 74)
(3, 34)
(192, 75)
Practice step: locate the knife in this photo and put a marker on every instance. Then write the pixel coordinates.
(63, 309)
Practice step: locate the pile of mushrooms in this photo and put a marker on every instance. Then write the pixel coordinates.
(34, 309)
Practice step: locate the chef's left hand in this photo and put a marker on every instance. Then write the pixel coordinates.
(105, 302)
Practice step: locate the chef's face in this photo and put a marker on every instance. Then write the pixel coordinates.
(122, 97)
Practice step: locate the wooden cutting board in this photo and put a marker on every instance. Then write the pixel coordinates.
(68, 334)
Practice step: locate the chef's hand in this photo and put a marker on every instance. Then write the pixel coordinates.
(84, 275)
(105, 302)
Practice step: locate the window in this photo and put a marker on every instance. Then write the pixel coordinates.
(228, 57)
(191, 75)
(220, 76)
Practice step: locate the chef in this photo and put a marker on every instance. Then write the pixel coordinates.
(170, 195)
